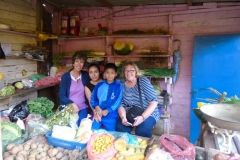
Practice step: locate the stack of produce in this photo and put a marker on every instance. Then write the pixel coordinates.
(32, 151)
(122, 48)
(7, 90)
(42, 106)
(10, 131)
(61, 118)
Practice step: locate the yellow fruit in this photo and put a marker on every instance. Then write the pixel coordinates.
(143, 143)
(200, 104)
(1, 76)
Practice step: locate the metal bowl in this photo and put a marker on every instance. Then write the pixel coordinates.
(224, 116)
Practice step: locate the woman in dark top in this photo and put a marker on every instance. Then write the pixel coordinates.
(94, 73)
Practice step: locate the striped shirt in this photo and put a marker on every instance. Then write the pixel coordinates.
(131, 96)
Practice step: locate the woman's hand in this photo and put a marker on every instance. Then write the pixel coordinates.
(125, 122)
(75, 108)
(138, 120)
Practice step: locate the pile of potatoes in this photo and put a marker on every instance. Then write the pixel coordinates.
(38, 151)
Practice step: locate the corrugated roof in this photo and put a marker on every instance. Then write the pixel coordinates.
(111, 3)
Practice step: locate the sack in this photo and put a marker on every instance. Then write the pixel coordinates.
(133, 112)
(177, 146)
(20, 111)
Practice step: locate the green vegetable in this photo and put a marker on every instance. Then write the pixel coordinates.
(158, 72)
(226, 100)
(61, 118)
(42, 106)
(7, 90)
(19, 85)
(10, 131)
(122, 48)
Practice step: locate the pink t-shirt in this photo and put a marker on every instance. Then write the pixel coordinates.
(77, 94)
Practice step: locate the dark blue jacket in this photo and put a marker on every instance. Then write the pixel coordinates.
(65, 84)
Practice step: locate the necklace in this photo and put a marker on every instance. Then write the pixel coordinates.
(78, 77)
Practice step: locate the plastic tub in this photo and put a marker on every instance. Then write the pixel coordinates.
(64, 144)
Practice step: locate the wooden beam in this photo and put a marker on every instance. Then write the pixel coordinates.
(105, 3)
(189, 2)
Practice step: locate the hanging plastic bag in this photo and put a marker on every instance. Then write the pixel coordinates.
(2, 54)
(178, 147)
(20, 111)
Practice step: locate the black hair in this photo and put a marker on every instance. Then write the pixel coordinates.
(79, 55)
(110, 66)
(94, 65)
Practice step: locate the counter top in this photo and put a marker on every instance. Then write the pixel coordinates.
(20, 92)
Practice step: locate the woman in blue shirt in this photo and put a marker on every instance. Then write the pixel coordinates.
(72, 86)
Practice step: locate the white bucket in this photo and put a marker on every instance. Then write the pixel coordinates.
(53, 71)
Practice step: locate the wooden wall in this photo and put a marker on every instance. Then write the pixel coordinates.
(19, 15)
(184, 23)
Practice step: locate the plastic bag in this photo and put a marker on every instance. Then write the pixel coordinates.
(36, 77)
(20, 111)
(46, 81)
(158, 154)
(36, 129)
(132, 139)
(107, 155)
(177, 146)
(84, 131)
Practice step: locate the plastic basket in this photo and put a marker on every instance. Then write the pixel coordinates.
(64, 144)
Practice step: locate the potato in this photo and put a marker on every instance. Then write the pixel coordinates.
(65, 151)
(40, 145)
(43, 154)
(64, 158)
(32, 155)
(5, 154)
(38, 157)
(31, 158)
(15, 150)
(12, 157)
(26, 147)
(24, 153)
(20, 147)
(46, 148)
(53, 158)
(59, 155)
(20, 157)
(40, 150)
(60, 149)
(52, 152)
(33, 146)
(10, 146)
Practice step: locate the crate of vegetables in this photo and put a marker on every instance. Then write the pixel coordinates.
(64, 144)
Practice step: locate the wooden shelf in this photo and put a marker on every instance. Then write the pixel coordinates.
(133, 56)
(136, 56)
(22, 57)
(20, 92)
(19, 33)
(138, 36)
(62, 38)
(68, 37)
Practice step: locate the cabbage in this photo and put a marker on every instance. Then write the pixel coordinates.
(19, 85)
(7, 91)
(10, 131)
